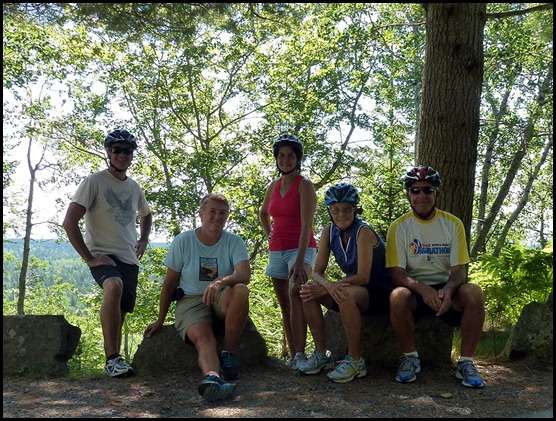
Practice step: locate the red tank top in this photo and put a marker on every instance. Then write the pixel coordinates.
(286, 218)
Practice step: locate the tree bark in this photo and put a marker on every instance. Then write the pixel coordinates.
(452, 80)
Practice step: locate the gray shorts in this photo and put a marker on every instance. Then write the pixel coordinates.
(280, 262)
(191, 310)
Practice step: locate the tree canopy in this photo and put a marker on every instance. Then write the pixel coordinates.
(207, 87)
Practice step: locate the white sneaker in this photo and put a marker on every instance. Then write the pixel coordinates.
(316, 363)
(117, 367)
(348, 370)
(296, 361)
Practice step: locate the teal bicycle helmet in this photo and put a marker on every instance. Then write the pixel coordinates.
(341, 192)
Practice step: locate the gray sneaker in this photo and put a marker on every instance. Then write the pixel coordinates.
(348, 370)
(468, 374)
(409, 367)
(316, 362)
(296, 361)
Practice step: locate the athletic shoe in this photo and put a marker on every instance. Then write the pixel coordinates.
(296, 361)
(468, 374)
(117, 367)
(408, 369)
(228, 366)
(213, 388)
(316, 362)
(348, 370)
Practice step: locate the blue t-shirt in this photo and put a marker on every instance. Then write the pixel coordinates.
(199, 264)
(347, 258)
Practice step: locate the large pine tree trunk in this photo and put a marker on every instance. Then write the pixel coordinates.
(452, 81)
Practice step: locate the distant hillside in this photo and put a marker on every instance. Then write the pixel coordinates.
(42, 249)
(48, 249)
(63, 263)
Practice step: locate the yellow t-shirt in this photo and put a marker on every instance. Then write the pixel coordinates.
(427, 249)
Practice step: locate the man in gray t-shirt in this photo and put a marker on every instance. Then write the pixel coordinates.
(110, 202)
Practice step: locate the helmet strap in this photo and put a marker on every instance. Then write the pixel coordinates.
(289, 172)
(116, 169)
(422, 216)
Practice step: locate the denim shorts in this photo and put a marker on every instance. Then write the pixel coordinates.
(127, 273)
(280, 262)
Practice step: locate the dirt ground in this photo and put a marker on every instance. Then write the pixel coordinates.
(512, 389)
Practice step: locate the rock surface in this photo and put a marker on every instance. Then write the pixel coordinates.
(165, 351)
(532, 337)
(379, 345)
(38, 345)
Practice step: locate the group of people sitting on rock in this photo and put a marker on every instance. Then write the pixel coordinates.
(420, 269)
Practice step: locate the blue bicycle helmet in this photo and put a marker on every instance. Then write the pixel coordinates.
(341, 192)
(120, 136)
(421, 173)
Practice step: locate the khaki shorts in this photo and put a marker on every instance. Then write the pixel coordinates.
(191, 310)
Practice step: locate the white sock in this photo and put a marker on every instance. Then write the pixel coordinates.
(462, 359)
(411, 354)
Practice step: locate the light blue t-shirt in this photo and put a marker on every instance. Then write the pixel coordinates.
(200, 264)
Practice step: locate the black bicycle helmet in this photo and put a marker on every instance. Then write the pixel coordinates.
(120, 136)
(288, 140)
(341, 192)
(421, 173)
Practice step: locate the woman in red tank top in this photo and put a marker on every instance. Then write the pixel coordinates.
(287, 215)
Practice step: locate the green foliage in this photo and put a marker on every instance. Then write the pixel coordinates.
(516, 277)
(265, 313)
(490, 345)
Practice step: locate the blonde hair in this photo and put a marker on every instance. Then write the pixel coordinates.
(217, 197)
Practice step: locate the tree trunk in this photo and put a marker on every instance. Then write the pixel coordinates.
(453, 78)
(27, 238)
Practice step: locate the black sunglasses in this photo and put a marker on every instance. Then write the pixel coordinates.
(127, 151)
(426, 190)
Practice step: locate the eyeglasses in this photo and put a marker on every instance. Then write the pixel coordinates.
(345, 209)
(127, 151)
(427, 190)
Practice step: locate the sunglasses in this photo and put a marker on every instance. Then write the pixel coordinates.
(127, 151)
(345, 209)
(427, 190)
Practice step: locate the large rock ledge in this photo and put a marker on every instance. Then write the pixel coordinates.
(532, 337)
(165, 351)
(38, 345)
(379, 345)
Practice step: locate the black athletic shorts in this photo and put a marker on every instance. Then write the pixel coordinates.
(379, 301)
(129, 275)
(452, 317)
